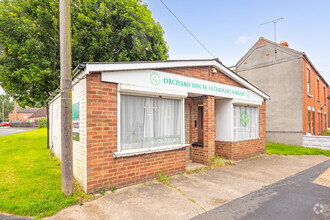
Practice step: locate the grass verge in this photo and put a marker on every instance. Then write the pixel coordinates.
(284, 149)
(30, 181)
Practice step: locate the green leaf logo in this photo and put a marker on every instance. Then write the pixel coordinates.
(155, 79)
(244, 119)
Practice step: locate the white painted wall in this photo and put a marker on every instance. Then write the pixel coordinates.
(55, 126)
(224, 114)
(79, 147)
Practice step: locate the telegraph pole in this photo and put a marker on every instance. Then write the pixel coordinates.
(66, 97)
(3, 110)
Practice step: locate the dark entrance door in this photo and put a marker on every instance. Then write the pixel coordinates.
(200, 124)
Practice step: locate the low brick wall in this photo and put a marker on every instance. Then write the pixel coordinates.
(239, 150)
(23, 124)
(243, 149)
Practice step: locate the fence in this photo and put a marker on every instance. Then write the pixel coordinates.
(23, 124)
(321, 142)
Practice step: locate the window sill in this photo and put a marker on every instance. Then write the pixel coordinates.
(129, 153)
(309, 95)
(247, 139)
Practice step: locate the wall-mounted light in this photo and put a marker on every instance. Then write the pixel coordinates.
(214, 70)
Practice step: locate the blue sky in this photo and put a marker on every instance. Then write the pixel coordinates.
(229, 28)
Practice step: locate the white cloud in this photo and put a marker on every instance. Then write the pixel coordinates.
(244, 39)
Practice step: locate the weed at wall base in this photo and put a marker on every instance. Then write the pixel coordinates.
(162, 176)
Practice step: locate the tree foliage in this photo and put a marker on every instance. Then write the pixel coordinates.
(8, 106)
(102, 31)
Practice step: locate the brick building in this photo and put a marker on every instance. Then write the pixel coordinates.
(298, 91)
(20, 114)
(328, 107)
(132, 120)
(41, 113)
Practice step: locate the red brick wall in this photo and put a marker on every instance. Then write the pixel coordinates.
(243, 149)
(19, 117)
(208, 127)
(102, 168)
(314, 102)
(199, 154)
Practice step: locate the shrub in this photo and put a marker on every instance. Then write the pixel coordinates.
(327, 132)
(42, 123)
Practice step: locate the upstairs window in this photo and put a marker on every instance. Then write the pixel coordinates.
(308, 81)
(317, 84)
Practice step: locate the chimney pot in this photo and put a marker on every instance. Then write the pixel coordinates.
(284, 43)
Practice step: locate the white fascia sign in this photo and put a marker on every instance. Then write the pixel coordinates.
(158, 82)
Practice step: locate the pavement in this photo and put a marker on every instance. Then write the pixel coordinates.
(187, 196)
(7, 130)
(296, 197)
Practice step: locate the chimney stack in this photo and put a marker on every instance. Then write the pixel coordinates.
(15, 111)
(284, 43)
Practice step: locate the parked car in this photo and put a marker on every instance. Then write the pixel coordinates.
(4, 124)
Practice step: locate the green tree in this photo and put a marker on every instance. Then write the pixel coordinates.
(8, 106)
(102, 31)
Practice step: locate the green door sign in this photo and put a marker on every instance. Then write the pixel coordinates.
(244, 119)
(75, 121)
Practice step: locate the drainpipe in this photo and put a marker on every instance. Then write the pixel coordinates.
(47, 110)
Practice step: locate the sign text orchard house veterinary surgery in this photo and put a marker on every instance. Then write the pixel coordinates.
(154, 81)
(193, 85)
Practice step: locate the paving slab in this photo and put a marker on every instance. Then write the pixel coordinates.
(297, 197)
(199, 191)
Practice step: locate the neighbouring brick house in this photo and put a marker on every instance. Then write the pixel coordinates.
(328, 106)
(41, 113)
(297, 108)
(132, 120)
(20, 114)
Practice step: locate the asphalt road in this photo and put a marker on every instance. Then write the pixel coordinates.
(12, 217)
(295, 197)
(7, 131)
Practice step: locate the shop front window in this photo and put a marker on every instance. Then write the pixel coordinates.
(147, 122)
(246, 122)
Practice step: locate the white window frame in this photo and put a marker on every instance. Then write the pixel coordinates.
(127, 153)
(308, 80)
(318, 89)
(24, 115)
